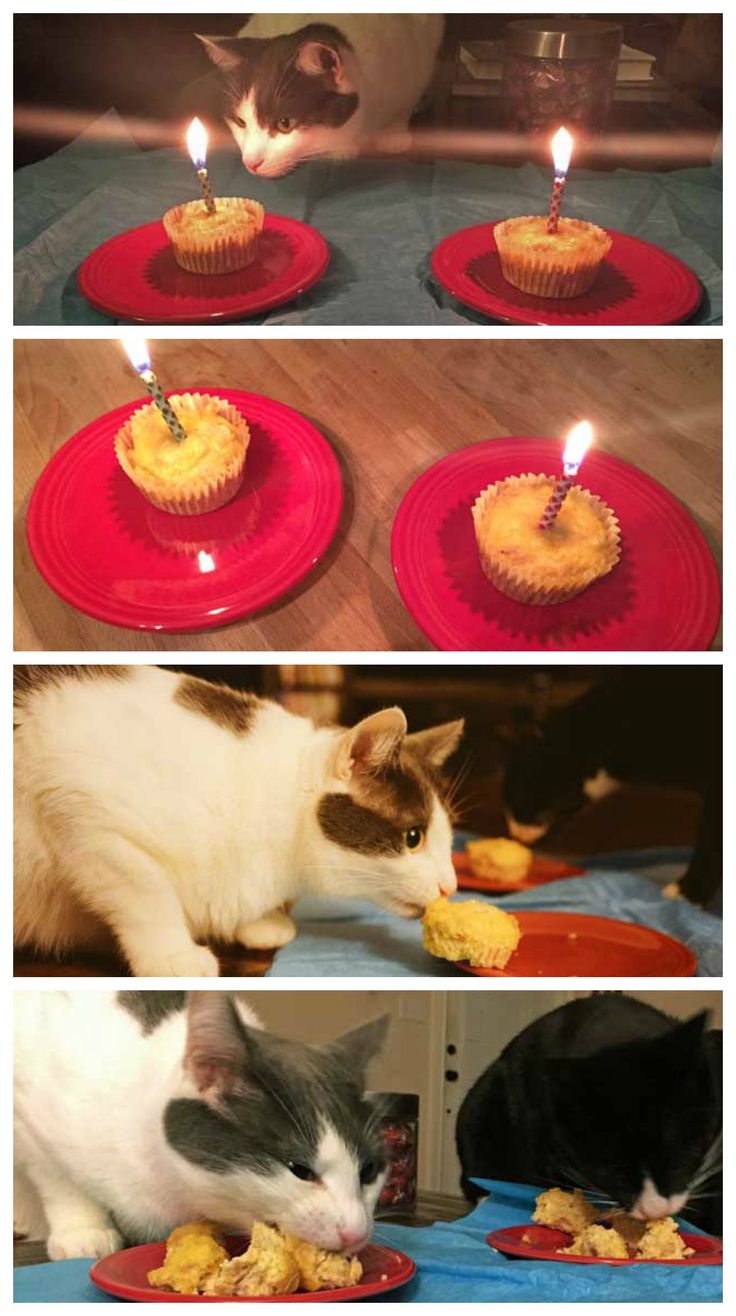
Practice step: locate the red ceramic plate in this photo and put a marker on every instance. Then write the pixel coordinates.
(545, 1242)
(111, 554)
(542, 871)
(124, 1276)
(134, 276)
(663, 594)
(563, 945)
(638, 283)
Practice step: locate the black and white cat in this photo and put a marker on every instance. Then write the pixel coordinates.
(609, 1095)
(306, 85)
(654, 725)
(168, 811)
(138, 1111)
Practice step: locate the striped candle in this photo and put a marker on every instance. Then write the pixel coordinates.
(555, 204)
(561, 155)
(136, 348)
(577, 444)
(163, 404)
(197, 147)
(204, 182)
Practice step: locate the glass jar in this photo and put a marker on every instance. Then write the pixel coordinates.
(400, 1126)
(559, 72)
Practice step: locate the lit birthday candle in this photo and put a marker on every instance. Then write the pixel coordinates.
(197, 146)
(137, 351)
(578, 442)
(561, 153)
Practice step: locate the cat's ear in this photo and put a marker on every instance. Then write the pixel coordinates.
(356, 1049)
(318, 60)
(436, 744)
(371, 746)
(216, 1049)
(229, 52)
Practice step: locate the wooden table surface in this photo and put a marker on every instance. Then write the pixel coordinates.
(390, 408)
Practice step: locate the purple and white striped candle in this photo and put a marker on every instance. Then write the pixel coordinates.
(561, 154)
(578, 442)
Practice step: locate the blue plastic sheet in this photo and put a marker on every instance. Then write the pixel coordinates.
(455, 1264)
(357, 939)
(381, 220)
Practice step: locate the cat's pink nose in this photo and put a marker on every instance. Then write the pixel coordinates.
(253, 165)
(351, 1237)
(449, 886)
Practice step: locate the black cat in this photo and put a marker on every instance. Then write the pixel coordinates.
(652, 725)
(609, 1095)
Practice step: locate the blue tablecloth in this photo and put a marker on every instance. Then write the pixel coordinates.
(455, 1264)
(357, 939)
(381, 220)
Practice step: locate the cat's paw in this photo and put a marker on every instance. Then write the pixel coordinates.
(192, 962)
(82, 1241)
(267, 933)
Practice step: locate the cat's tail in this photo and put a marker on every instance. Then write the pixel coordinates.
(472, 1191)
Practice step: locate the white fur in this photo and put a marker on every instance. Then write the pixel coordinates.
(390, 67)
(90, 1091)
(651, 1205)
(140, 816)
(600, 786)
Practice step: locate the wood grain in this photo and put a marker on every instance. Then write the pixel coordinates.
(390, 408)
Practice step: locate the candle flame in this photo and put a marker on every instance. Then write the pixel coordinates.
(137, 349)
(562, 144)
(197, 143)
(578, 441)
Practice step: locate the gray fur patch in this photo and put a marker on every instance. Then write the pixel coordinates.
(233, 710)
(151, 1008)
(355, 827)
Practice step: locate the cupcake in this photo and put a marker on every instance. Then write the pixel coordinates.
(499, 859)
(216, 243)
(561, 264)
(197, 475)
(543, 566)
(469, 930)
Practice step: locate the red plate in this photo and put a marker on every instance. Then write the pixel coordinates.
(663, 594)
(135, 277)
(545, 1241)
(111, 554)
(563, 945)
(124, 1276)
(637, 283)
(542, 871)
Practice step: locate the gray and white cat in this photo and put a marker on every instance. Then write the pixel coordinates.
(168, 811)
(306, 85)
(138, 1111)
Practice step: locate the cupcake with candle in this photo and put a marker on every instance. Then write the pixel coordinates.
(216, 235)
(542, 540)
(187, 475)
(548, 256)
(564, 263)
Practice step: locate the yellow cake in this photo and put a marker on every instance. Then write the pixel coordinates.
(561, 264)
(217, 243)
(266, 1270)
(194, 1255)
(320, 1270)
(499, 859)
(571, 1212)
(597, 1241)
(190, 477)
(661, 1241)
(543, 566)
(470, 930)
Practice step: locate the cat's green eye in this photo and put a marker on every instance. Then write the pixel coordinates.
(414, 838)
(301, 1171)
(285, 124)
